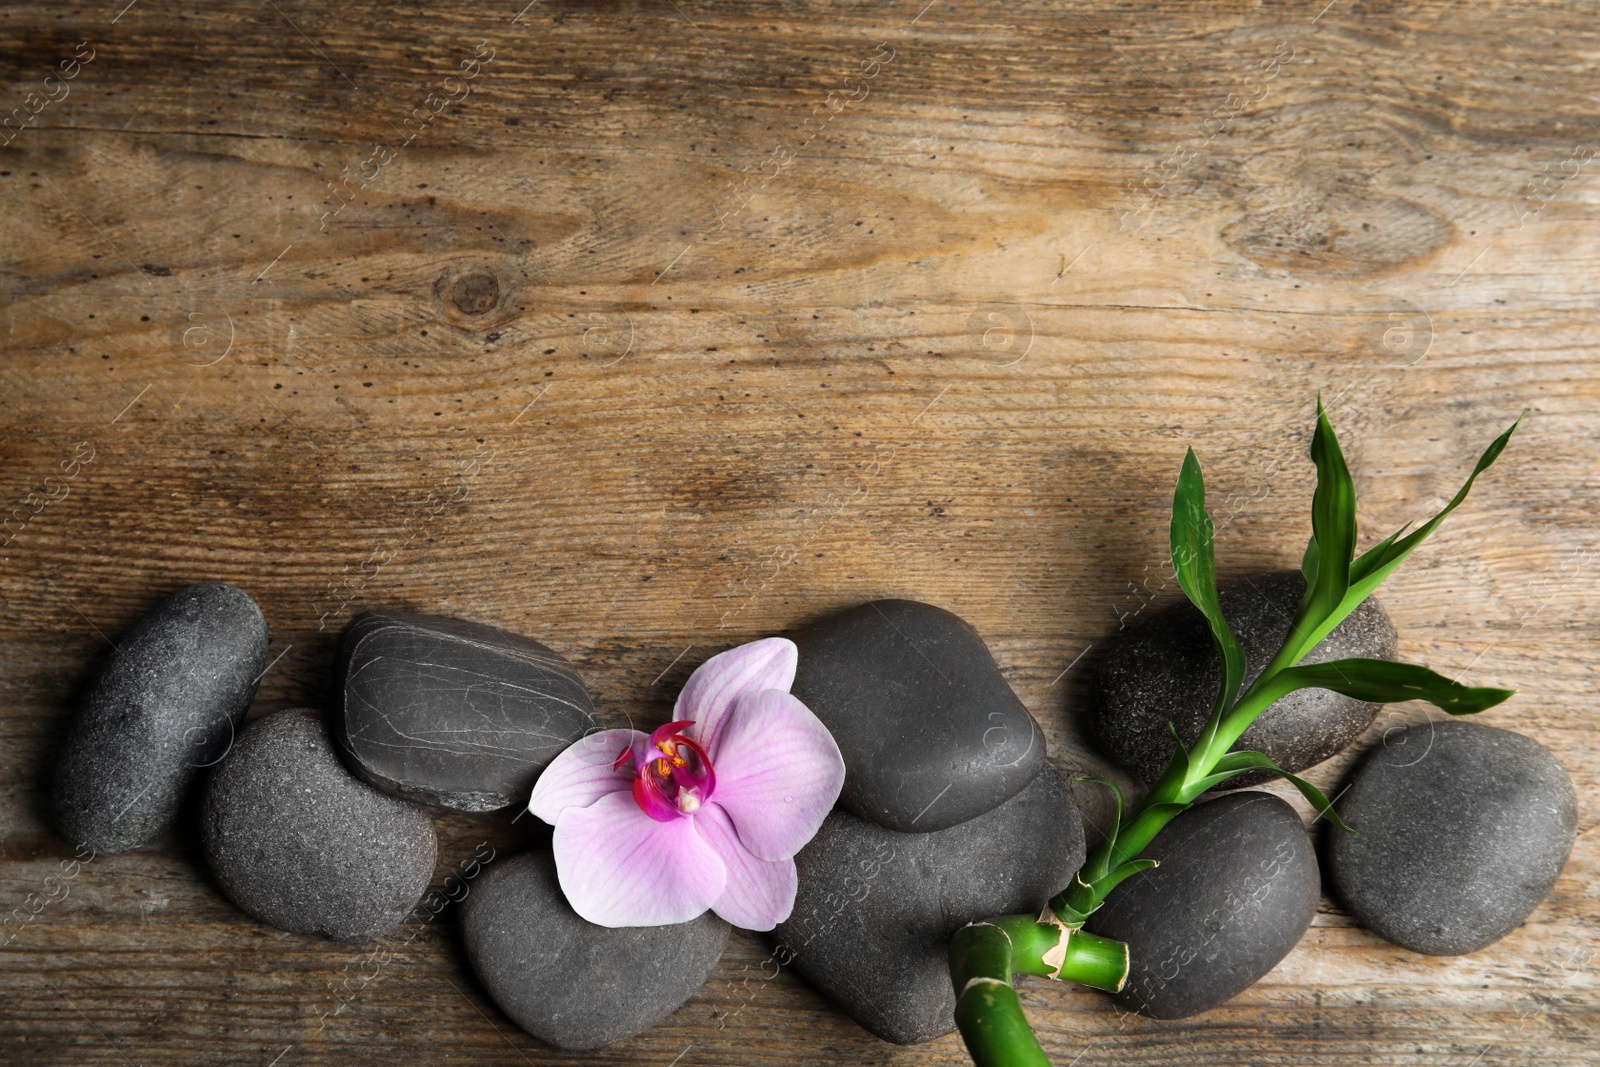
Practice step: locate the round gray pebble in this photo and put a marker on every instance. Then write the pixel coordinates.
(454, 713)
(565, 980)
(1237, 887)
(930, 731)
(876, 909)
(165, 705)
(1165, 669)
(296, 841)
(1463, 830)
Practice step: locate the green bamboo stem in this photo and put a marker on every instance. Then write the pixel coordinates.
(1178, 787)
(1166, 799)
(984, 956)
(1266, 691)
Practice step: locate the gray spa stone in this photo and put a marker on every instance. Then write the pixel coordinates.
(1463, 830)
(298, 842)
(876, 909)
(164, 705)
(569, 982)
(454, 713)
(1165, 669)
(1236, 889)
(930, 732)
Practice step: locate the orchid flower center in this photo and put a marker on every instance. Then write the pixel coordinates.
(673, 775)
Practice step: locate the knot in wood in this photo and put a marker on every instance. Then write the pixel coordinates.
(475, 292)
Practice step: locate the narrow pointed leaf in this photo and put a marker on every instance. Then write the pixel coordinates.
(1333, 537)
(1362, 565)
(1116, 815)
(1376, 563)
(1115, 878)
(1194, 562)
(1241, 762)
(1180, 755)
(1381, 681)
(1237, 763)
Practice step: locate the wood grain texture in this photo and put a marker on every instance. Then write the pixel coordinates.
(680, 323)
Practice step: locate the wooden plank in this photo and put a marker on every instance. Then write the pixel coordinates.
(682, 324)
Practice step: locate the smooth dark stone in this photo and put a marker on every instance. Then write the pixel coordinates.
(930, 732)
(298, 842)
(1165, 669)
(164, 705)
(454, 713)
(1236, 889)
(569, 982)
(876, 909)
(1462, 831)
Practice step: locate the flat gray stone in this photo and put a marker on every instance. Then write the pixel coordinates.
(1463, 829)
(164, 705)
(1165, 669)
(876, 909)
(566, 981)
(930, 732)
(1236, 889)
(454, 713)
(298, 842)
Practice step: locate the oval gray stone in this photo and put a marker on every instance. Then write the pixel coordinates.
(569, 982)
(298, 842)
(164, 705)
(1462, 829)
(876, 909)
(1236, 889)
(930, 732)
(1165, 669)
(454, 713)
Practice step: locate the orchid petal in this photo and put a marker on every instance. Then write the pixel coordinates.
(719, 681)
(760, 893)
(778, 772)
(585, 772)
(618, 867)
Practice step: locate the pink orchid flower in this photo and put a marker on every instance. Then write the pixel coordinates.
(706, 811)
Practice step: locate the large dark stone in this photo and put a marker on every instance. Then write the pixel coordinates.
(876, 909)
(164, 705)
(300, 844)
(567, 981)
(454, 713)
(1167, 670)
(1236, 889)
(930, 732)
(1463, 829)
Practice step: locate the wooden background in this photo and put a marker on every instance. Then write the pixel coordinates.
(681, 322)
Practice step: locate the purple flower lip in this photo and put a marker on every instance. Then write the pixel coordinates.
(675, 783)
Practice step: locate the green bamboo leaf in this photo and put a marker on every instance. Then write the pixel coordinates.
(1308, 562)
(1180, 755)
(1116, 817)
(1115, 878)
(1333, 535)
(1375, 564)
(1193, 560)
(1361, 565)
(1237, 763)
(1381, 681)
